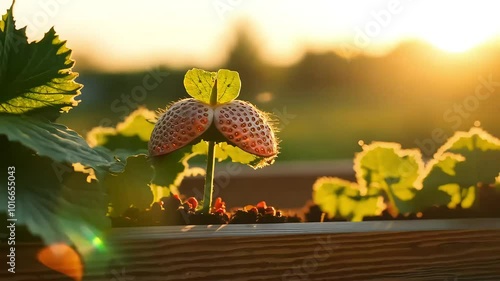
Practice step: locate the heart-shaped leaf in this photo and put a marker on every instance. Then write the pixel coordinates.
(200, 84)
(228, 85)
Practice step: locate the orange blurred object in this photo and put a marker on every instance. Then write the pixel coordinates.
(262, 204)
(62, 258)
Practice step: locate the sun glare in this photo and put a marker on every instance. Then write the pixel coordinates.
(457, 36)
(456, 27)
(170, 33)
(454, 44)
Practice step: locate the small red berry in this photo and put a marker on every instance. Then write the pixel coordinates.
(220, 211)
(193, 202)
(262, 204)
(270, 211)
(219, 203)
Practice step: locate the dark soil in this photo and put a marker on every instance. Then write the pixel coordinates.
(172, 211)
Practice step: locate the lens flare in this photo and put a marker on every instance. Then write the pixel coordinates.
(98, 243)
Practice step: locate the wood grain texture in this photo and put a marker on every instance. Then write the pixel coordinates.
(451, 250)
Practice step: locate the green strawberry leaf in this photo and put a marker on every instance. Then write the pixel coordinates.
(451, 178)
(55, 141)
(35, 78)
(481, 152)
(130, 187)
(228, 85)
(199, 84)
(201, 148)
(341, 198)
(143, 181)
(169, 171)
(326, 193)
(466, 159)
(386, 167)
(224, 151)
(128, 138)
(52, 200)
(240, 156)
(438, 188)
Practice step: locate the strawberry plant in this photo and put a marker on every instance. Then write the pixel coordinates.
(187, 130)
(213, 116)
(397, 180)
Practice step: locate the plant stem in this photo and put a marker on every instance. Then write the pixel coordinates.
(213, 94)
(209, 178)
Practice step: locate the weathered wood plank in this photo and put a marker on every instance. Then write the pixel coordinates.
(401, 250)
(195, 231)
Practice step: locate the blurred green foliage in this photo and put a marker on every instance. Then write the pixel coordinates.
(396, 179)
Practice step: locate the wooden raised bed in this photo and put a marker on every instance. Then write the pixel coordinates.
(464, 249)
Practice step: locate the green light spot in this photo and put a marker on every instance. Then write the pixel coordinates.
(97, 242)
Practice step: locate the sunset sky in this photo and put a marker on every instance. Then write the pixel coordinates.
(131, 34)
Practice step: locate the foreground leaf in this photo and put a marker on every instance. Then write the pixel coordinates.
(53, 201)
(35, 78)
(55, 141)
